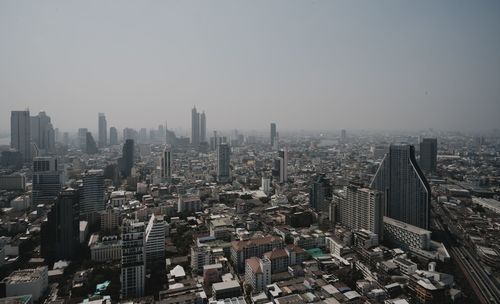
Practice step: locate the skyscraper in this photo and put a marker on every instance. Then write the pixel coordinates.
(90, 145)
(283, 165)
(20, 133)
(47, 180)
(407, 193)
(60, 234)
(203, 127)
(362, 208)
(195, 127)
(42, 132)
(320, 193)
(166, 164)
(273, 133)
(126, 162)
(343, 135)
(92, 193)
(133, 259)
(82, 138)
(113, 136)
(428, 155)
(103, 131)
(223, 157)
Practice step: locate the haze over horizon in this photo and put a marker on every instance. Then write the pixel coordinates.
(306, 65)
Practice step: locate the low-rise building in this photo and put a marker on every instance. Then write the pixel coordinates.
(32, 282)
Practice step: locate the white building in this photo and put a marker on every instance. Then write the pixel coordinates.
(258, 273)
(362, 208)
(108, 249)
(405, 235)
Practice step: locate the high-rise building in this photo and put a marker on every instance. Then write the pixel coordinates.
(66, 138)
(103, 131)
(90, 145)
(362, 208)
(47, 179)
(92, 194)
(195, 127)
(126, 162)
(405, 188)
(203, 127)
(113, 136)
(223, 158)
(42, 132)
(82, 138)
(166, 164)
(155, 240)
(273, 133)
(143, 135)
(343, 135)
(133, 259)
(280, 171)
(428, 155)
(20, 133)
(320, 193)
(129, 133)
(61, 232)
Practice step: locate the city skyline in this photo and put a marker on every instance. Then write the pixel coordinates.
(330, 65)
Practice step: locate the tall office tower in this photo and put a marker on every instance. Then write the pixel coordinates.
(20, 133)
(428, 155)
(82, 138)
(195, 127)
(47, 180)
(203, 127)
(92, 194)
(276, 145)
(127, 159)
(407, 193)
(103, 131)
(214, 142)
(283, 165)
(273, 133)
(113, 136)
(166, 164)
(129, 133)
(90, 145)
(223, 158)
(155, 240)
(42, 132)
(60, 234)
(321, 193)
(57, 135)
(343, 135)
(362, 208)
(133, 259)
(160, 135)
(143, 135)
(66, 138)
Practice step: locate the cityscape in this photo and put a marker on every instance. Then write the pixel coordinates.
(211, 201)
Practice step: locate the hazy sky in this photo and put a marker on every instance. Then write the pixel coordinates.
(302, 64)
